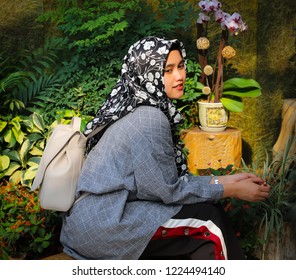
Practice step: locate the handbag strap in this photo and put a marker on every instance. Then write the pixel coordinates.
(75, 123)
(97, 130)
(81, 197)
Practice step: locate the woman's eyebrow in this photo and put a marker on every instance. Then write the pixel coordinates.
(169, 65)
(173, 64)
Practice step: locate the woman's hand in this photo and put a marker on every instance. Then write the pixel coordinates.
(245, 186)
(228, 179)
(249, 189)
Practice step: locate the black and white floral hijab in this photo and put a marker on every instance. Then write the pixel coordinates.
(141, 83)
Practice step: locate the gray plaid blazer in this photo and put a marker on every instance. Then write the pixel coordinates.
(133, 180)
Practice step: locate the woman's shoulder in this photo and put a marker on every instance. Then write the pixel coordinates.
(144, 120)
(149, 114)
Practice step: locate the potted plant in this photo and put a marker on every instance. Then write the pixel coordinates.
(212, 89)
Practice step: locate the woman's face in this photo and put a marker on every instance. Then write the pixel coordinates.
(174, 75)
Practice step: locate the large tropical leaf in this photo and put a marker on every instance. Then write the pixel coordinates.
(12, 154)
(38, 122)
(9, 138)
(4, 162)
(232, 105)
(30, 173)
(241, 83)
(243, 92)
(2, 125)
(12, 168)
(12, 79)
(26, 146)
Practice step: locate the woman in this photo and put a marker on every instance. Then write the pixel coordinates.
(143, 203)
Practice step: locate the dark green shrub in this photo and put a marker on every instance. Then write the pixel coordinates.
(27, 76)
(26, 230)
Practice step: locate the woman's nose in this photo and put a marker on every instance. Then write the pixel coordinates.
(178, 75)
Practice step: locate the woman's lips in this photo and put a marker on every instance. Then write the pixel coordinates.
(179, 87)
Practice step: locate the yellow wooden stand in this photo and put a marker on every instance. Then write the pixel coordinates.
(212, 149)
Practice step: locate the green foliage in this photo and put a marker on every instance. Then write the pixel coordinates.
(91, 57)
(96, 36)
(192, 86)
(187, 104)
(84, 92)
(26, 230)
(65, 117)
(221, 171)
(89, 26)
(278, 208)
(89, 23)
(237, 88)
(106, 23)
(22, 142)
(26, 77)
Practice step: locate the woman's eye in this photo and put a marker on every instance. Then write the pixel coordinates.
(181, 66)
(168, 70)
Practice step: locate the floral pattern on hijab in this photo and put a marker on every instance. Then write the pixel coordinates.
(141, 83)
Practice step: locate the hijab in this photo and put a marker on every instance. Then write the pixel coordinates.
(141, 83)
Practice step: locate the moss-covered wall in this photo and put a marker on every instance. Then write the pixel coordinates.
(269, 49)
(18, 28)
(276, 70)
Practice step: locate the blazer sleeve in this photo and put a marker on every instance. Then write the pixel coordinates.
(154, 166)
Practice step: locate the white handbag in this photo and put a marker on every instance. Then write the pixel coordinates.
(60, 166)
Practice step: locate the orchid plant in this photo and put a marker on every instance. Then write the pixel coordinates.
(211, 81)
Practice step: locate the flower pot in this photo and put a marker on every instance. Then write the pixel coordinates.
(212, 116)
